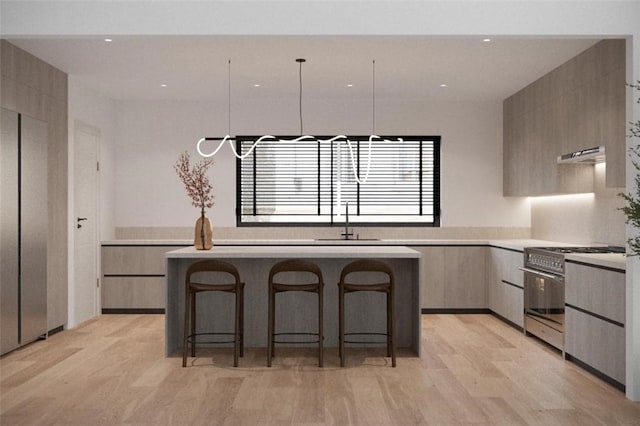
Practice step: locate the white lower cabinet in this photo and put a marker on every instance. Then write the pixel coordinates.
(453, 277)
(505, 284)
(595, 315)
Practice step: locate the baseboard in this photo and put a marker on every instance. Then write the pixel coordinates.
(600, 375)
(511, 323)
(454, 311)
(55, 330)
(132, 311)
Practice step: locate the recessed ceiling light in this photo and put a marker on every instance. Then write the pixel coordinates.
(256, 85)
(108, 40)
(163, 85)
(349, 85)
(443, 85)
(486, 40)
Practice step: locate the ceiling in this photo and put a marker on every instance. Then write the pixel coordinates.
(406, 67)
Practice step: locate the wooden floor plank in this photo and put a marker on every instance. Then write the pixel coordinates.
(474, 369)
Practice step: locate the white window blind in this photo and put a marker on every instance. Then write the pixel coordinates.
(311, 181)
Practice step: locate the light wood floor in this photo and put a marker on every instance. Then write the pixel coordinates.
(474, 369)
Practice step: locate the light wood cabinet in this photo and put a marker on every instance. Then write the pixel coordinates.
(597, 343)
(133, 293)
(597, 290)
(595, 316)
(613, 129)
(453, 278)
(133, 278)
(579, 105)
(432, 276)
(134, 260)
(505, 284)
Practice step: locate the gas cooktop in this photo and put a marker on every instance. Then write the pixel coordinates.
(551, 259)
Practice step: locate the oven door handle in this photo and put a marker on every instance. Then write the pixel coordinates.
(542, 274)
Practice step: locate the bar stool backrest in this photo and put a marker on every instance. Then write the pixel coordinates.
(212, 265)
(367, 266)
(295, 265)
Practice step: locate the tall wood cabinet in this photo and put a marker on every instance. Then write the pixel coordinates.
(36, 89)
(579, 105)
(23, 229)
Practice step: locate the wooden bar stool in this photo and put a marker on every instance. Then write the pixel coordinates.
(192, 288)
(315, 286)
(387, 286)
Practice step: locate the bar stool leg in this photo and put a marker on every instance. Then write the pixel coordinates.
(193, 323)
(388, 324)
(392, 328)
(187, 300)
(270, 326)
(236, 331)
(241, 295)
(341, 326)
(320, 328)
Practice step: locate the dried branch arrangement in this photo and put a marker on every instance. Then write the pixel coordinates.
(195, 180)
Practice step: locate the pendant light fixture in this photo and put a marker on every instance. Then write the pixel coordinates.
(297, 180)
(300, 61)
(338, 138)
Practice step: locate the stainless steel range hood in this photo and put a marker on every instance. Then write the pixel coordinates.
(586, 156)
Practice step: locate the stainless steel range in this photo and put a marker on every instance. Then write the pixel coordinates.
(544, 290)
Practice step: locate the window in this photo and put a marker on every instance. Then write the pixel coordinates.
(312, 181)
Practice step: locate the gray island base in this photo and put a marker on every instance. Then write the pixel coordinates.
(296, 311)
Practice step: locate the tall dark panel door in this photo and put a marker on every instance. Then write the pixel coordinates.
(23, 230)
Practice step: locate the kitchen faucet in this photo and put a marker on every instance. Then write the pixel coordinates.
(346, 235)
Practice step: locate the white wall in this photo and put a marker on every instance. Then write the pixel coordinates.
(151, 136)
(91, 108)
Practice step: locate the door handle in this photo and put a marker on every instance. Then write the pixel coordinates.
(542, 274)
(80, 219)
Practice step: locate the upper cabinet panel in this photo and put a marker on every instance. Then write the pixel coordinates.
(579, 105)
(613, 128)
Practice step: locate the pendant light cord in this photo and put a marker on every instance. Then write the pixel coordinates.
(229, 98)
(373, 106)
(268, 138)
(300, 106)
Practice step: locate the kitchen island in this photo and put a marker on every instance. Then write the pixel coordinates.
(365, 312)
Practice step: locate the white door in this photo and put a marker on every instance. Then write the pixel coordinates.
(85, 296)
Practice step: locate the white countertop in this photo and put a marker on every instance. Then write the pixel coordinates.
(609, 260)
(147, 242)
(512, 244)
(521, 244)
(345, 248)
(276, 252)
